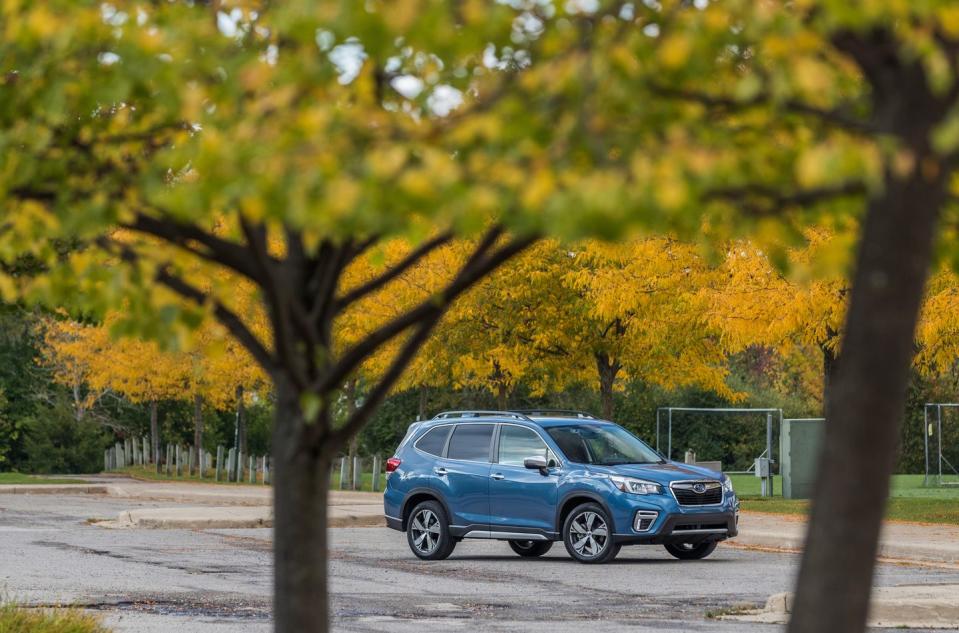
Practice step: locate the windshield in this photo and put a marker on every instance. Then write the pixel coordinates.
(606, 445)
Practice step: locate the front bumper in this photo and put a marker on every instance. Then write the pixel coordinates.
(674, 523)
(686, 528)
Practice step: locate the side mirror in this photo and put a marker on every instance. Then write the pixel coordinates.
(536, 463)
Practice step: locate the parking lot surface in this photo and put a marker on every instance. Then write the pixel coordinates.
(219, 580)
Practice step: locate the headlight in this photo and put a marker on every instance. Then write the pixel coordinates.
(635, 486)
(728, 485)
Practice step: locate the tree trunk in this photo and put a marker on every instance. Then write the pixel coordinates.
(240, 420)
(502, 397)
(198, 423)
(154, 430)
(828, 372)
(608, 369)
(300, 491)
(865, 404)
(424, 396)
(349, 390)
(499, 386)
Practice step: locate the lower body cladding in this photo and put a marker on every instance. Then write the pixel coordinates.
(698, 527)
(693, 528)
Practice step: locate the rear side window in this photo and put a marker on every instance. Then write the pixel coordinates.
(434, 440)
(470, 442)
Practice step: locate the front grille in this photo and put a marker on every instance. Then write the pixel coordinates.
(697, 493)
(685, 527)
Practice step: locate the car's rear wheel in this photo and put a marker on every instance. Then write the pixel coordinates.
(531, 549)
(691, 551)
(588, 535)
(428, 532)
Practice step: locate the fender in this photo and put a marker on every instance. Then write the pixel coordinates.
(421, 490)
(592, 496)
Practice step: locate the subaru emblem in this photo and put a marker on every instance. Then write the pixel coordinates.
(700, 488)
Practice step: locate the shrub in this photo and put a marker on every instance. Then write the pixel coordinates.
(16, 619)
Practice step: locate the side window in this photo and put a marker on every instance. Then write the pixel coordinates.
(434, 440)
(470, 442)
(517, 443)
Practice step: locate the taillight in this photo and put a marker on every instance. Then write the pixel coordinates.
(392, 464)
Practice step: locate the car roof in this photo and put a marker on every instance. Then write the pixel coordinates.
(496, 417)
(548, 421)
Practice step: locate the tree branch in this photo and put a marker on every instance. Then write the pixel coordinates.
(180, 286)
(375, 397)
(181, 234)
(833, 116)
(256, 238)
(480, 264)
(401, 267)
(764, 200)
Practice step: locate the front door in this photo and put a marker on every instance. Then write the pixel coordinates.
(519, 496)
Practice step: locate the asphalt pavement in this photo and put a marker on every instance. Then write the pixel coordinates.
(207, 581)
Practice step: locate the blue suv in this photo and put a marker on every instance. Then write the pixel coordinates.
(532, 478)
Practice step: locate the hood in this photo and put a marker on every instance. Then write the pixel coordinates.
(659, 473)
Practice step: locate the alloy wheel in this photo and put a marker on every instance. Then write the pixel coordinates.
(588, 534)
(426, 531)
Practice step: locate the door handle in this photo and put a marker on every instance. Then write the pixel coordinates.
(497, 476)
(439, 471)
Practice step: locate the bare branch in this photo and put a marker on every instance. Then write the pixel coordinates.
(480, 263)
(256, 238)
(402, 360)
(765, 200)
(182, 234)
(395, 271)
(833, 116)
(229, 319)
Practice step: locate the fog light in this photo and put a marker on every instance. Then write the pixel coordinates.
(644, 520)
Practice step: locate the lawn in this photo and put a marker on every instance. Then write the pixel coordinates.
(14, 619)
(149, 473)
(909, 500)
(20, 478)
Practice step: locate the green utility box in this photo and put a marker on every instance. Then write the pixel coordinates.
(799, 451)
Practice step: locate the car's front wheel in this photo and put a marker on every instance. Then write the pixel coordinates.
(428, 532)
(690, 551)
(588, 535)
(530, 549)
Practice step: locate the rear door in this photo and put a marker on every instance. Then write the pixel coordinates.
(462, 476)
(520, 497)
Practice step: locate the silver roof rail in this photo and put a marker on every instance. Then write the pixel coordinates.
(515, 415)
(566, 413)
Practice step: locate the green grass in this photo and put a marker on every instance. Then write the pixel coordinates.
(909, 500)
(749, 485)
(367, 481)
(20, 478)
(15, 619)
(149, 473)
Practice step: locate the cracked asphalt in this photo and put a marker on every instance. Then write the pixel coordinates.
(149, 581)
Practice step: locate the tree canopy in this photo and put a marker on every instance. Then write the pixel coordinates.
(282, 141)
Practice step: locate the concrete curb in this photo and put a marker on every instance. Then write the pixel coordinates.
(53, 489)
(900, 542)
(906, 606)
(193, 518)
(231, 517)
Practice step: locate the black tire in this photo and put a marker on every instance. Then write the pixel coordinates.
(428, 532)
(592, 548)
(531, 549)
(689, 551)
